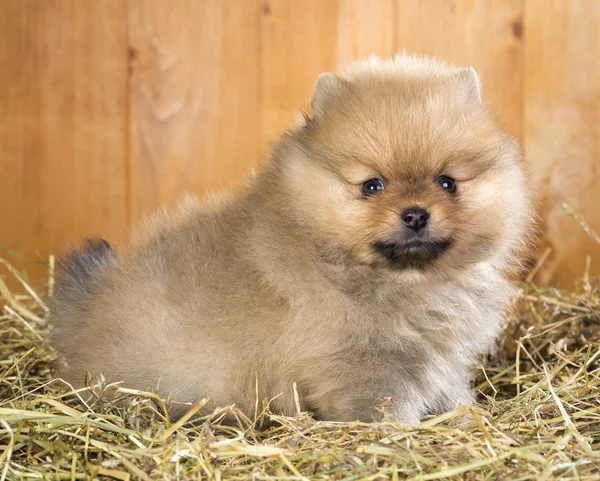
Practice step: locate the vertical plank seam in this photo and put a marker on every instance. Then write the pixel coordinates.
(394, 27)
(259, 59)
(523, 71)
(127, 157)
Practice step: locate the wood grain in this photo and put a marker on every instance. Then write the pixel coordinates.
(300, 40)
(110, 108)
(562, 127)
(364, 28)
(194, 106)
(63, 130)
(487, 34)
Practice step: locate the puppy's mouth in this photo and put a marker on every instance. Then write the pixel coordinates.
(413, 253)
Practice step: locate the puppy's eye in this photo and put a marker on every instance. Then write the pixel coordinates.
(447, 183)
(372, 186)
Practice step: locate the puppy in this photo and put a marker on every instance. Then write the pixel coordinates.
(368, 259)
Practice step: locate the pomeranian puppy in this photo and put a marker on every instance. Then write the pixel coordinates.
(368, 259)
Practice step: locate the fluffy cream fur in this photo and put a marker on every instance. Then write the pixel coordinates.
(284, 283)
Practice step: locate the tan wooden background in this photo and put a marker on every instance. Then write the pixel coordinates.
(109, 108)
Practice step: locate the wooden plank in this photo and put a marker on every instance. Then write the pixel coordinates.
(209, 81)
(62, 131)
(297, 44)
(364, 28)
(487, 34)
(562, 127)
(300, 40)
(194, 104)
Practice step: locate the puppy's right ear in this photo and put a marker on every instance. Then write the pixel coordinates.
(329, 87)
(469, 85)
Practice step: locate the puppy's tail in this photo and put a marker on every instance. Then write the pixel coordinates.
(78, 270)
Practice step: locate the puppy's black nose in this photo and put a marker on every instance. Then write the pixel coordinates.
(415, 218)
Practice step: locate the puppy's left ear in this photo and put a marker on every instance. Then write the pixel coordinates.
(329, 87)
(469, 85)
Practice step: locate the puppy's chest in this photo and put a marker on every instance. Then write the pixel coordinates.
(410, 322)
(452, 325)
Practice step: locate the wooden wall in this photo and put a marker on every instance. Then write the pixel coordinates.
(109, 108)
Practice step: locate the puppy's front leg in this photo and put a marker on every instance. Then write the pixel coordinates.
(355, 395)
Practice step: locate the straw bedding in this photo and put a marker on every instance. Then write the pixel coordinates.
(538, 415)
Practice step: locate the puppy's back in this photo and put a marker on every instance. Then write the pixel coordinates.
(130, 317)
(171, 315)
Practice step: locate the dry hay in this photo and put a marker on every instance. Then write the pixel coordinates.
(538, 416)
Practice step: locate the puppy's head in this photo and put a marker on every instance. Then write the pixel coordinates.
(402, 166)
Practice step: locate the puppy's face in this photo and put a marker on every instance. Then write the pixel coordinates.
(409, 177)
